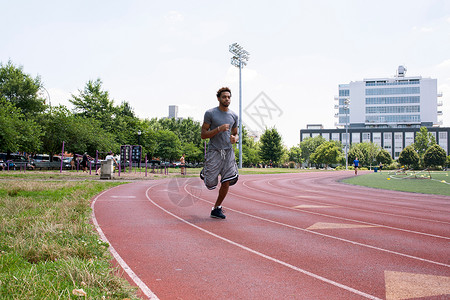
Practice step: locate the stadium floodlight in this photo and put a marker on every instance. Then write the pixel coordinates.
(239, 60)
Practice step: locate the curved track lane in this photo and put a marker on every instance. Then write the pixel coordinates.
(288, 236)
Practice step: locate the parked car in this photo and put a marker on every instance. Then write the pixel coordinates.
(14, 161)
(41, 157)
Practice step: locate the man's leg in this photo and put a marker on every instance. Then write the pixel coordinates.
(223, 191)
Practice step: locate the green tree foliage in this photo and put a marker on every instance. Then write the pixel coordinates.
(295, 154)
(356, 152)
(93, 103)
(250, 150)
(168, 145)
(193, 153)
(309, 145)
(435, 156)
(384, 157)
(423, 141)
(409, 157)
(16, 132)
(271, 149)
(80, 134)
(366, 153)
(21, 90)
(327, 153)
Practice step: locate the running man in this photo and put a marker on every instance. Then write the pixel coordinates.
(220, 126)
(356, 163)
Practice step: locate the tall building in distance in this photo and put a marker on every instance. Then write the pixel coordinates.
(386, 111)
(396, 102)
(173, 111)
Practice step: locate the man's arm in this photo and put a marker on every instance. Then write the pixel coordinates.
(234, 135)
(207, 134)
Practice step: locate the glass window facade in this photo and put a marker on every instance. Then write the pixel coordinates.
(393, 119)
(393, 91)
(392, 109)
(377, 138)
(366, 137)
(399, 82)
(393, 100)
(344, 93)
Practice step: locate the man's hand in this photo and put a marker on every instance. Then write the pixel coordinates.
(234, 139)
(223, 127)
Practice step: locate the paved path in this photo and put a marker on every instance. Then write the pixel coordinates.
(288, 236)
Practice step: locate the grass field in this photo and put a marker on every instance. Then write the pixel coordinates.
(416, 182)
(48, 247)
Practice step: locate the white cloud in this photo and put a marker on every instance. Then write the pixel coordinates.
(174, 17)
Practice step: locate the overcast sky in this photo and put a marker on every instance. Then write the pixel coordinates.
(153, 54)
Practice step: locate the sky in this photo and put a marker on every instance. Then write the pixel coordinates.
(153, 54)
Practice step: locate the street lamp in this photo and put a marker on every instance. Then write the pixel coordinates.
(346, 104)
(139, 147)
(239, 59)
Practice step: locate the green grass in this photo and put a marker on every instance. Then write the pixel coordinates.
(416, 182)
(48, 247)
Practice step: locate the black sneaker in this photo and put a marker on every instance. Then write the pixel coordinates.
(202, 177)
(217, 213)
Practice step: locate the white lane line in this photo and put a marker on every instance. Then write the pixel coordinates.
(326, 235)
(144, 288)
(339, 285)
(373, 203)
(335, 217)
(124, 197)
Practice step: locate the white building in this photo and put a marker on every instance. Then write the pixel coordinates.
(386, 111)
(389, 102)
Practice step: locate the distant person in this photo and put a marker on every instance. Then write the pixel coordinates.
(356, 164)
(85, 161)
(182, 164)
(220, 127)
(380, 167)
(72, 163)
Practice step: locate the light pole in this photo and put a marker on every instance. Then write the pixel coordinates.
(239, 59)
(346, 104)
(139, 147)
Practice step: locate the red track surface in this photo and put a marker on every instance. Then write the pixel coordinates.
(289, 236)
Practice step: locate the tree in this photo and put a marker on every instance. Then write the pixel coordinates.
(193, 153)
(366, 153)
(21, 90)
(17, 133)
(309, 145)
(435, 156)
(271, 148)
(409, 157)
(423, 141)
(295, 154)
(356, 152)
(384, 157)
(168, 145)
(327, 153)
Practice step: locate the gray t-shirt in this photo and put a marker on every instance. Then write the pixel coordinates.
(215, 117)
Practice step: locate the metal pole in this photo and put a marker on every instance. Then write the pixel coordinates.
(240, 113)
(62, 158)
(346, 102)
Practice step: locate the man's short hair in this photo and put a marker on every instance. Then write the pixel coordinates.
(221, 90)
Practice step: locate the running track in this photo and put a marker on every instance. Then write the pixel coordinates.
(288, 236)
